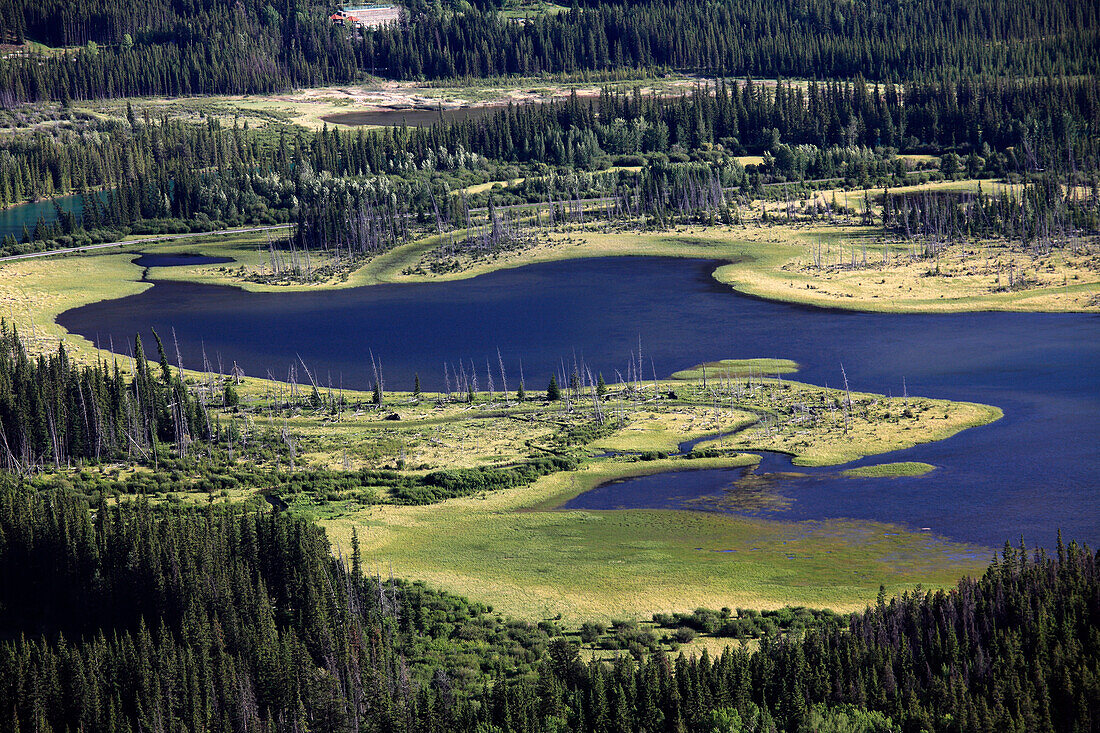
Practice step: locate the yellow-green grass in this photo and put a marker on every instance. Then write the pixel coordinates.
(665, 428)
(775, 262)
(514, 550)
(737, 368)
(811, 423)
(965, 277)
(532, 10)
(427, 437)
(830, 432)
(919, 157)
(890, 470)
(856, 198)
(309, 107)
(606, 564)
(489, 185)
(714, 646)
(433, 434)
(34, 292)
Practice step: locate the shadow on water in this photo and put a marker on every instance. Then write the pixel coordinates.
(1027, 475)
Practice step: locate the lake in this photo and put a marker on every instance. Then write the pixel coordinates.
(14, 218)
(1024, 476)
(177, 259)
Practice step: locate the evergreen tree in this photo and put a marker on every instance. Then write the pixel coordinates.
(553, 391)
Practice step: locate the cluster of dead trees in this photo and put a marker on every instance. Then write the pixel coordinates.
(1046, 213)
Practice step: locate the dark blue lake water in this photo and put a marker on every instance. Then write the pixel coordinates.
(181, 259)
(1036, 470)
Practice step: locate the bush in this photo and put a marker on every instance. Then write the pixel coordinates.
(629, 160)
(590, 631)
(683, 635)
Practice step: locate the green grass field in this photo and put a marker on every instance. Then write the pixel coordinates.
(516, 550)
(535, 563)
(726, 368)
(888, 470)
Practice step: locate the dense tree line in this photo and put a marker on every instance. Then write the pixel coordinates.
(53, 411)
(740, 37)
(170, 47)
(1044, 120)
(173, 47)
(230, 620)
(125, 619)
(1049, 122)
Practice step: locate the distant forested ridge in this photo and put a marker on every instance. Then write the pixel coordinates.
(148, 175)
(174, 47)
(171, 47)
(1031, 124)
(124, 617)
(815, 39)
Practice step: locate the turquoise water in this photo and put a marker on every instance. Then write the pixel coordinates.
(14, 218)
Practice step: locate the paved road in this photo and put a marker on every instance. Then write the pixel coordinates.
(142, 240)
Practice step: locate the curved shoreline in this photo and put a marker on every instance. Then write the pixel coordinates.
(33, 289)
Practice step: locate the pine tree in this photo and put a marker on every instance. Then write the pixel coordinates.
(553, 391)
(356, 556)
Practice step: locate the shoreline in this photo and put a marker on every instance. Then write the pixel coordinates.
(749, 265)
(749, 262)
